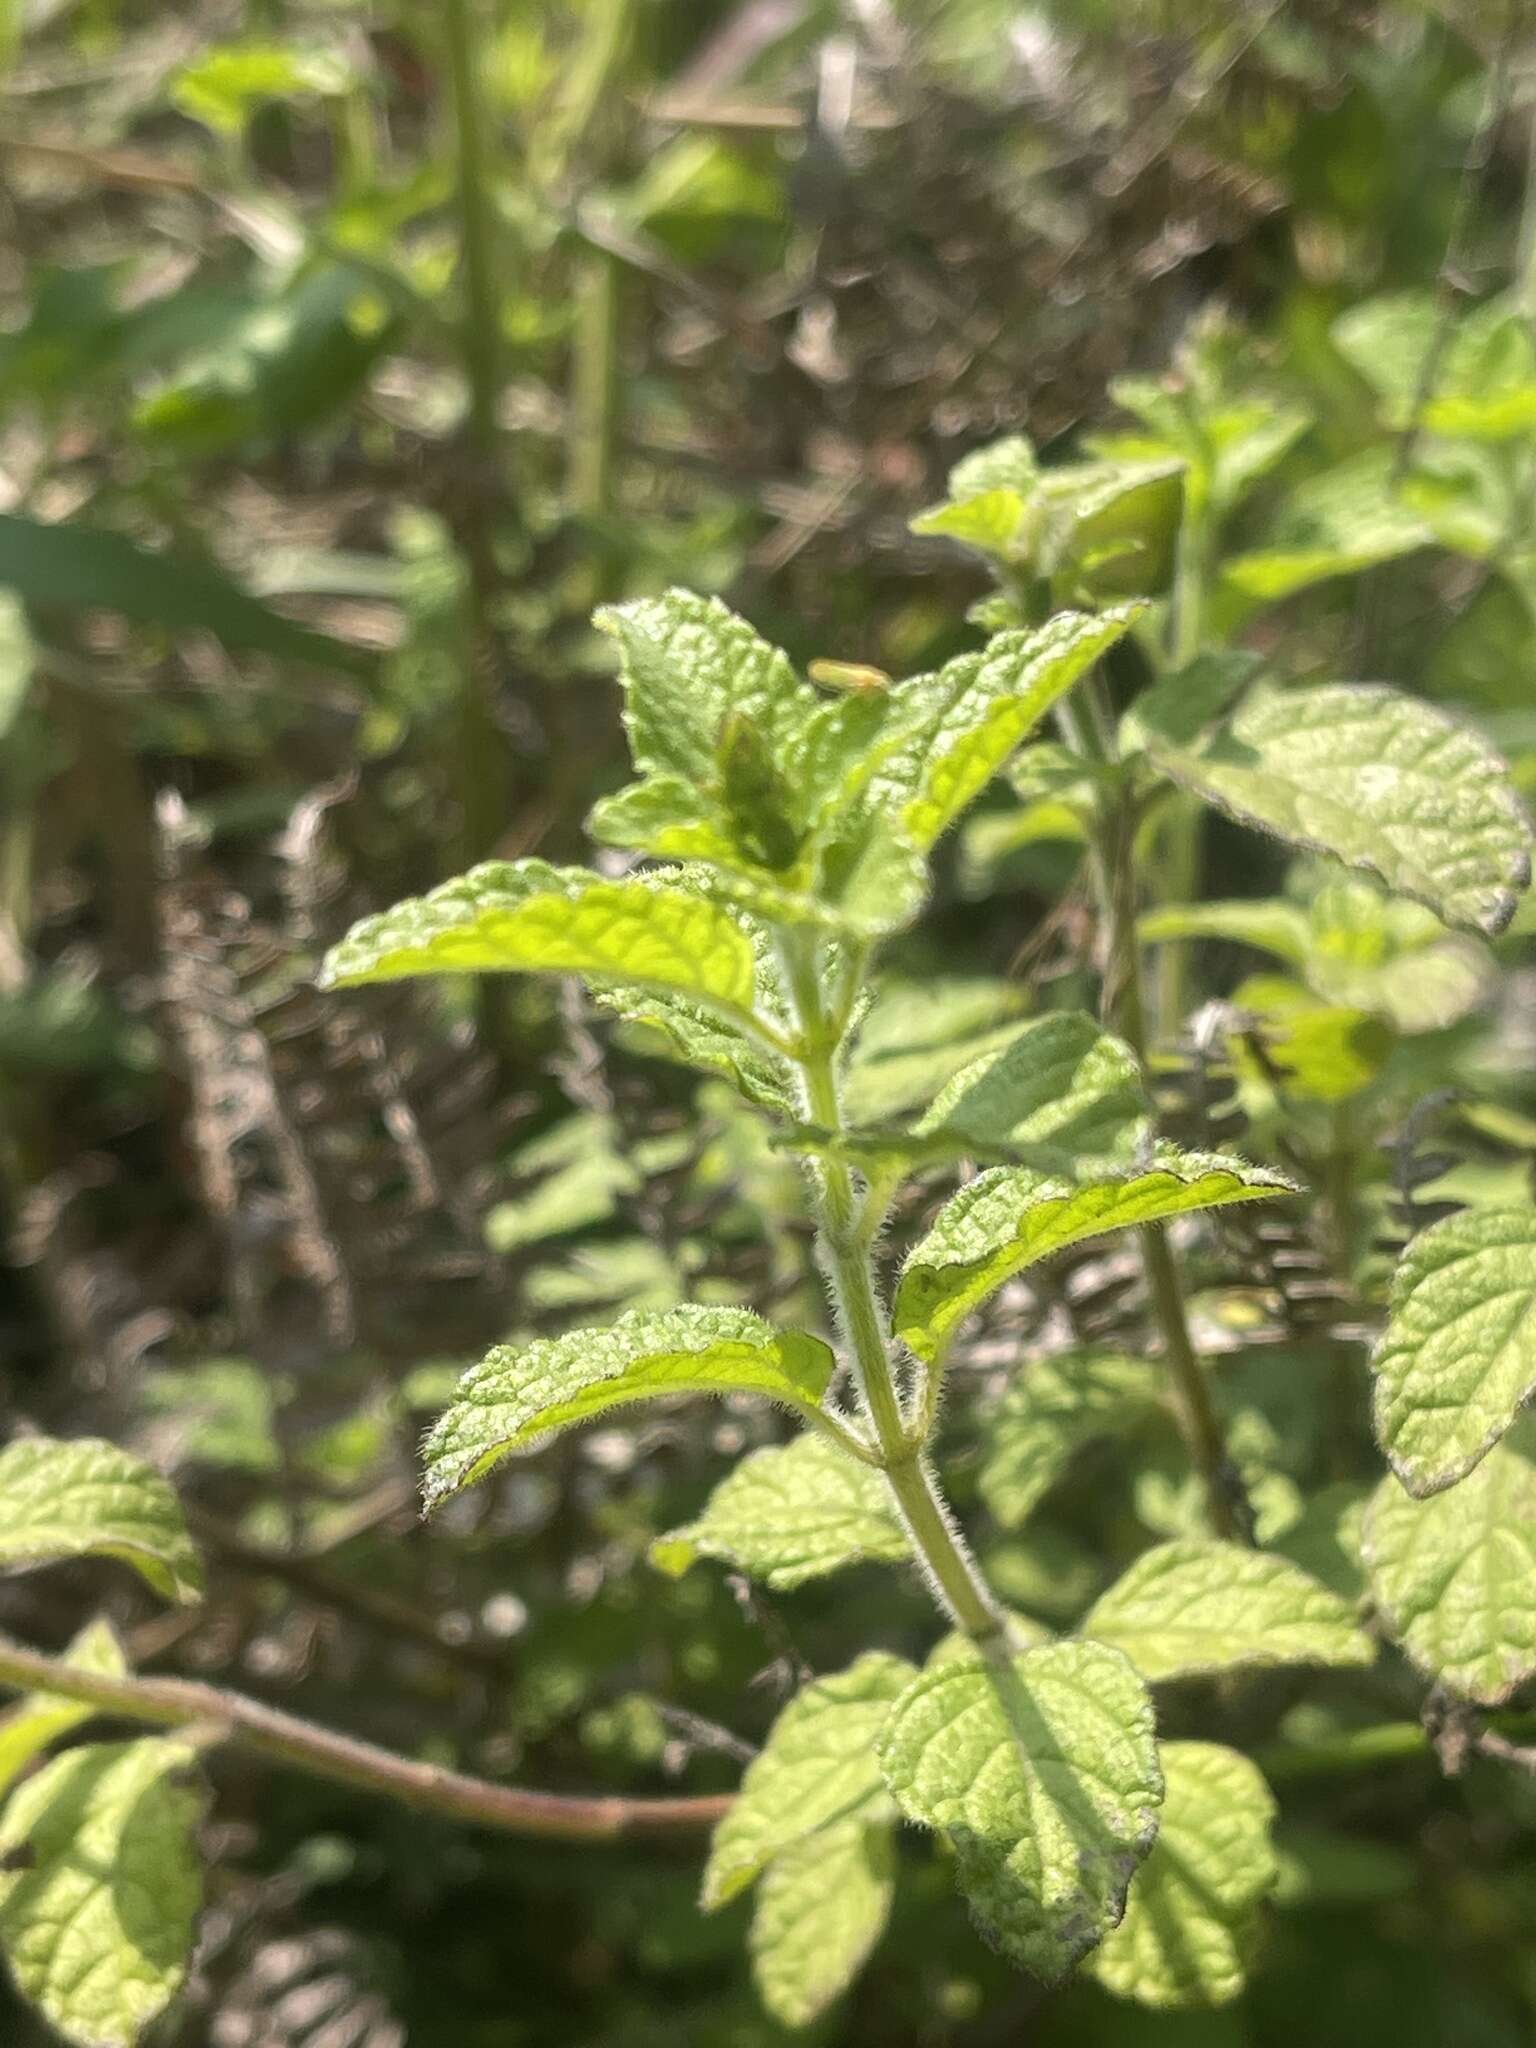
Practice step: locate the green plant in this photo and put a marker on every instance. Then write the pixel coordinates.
(792, 834)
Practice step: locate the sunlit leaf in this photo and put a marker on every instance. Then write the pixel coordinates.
(1010, 1217)
(1454, 1575)
(516, 1397)
(1379, 781)
(1043, 1774)
(1192, 1606)
(1457, 1361)
(792, 1512)
(99, 1887)
(817, 1767)
(86, 1498)
(1189, 1919)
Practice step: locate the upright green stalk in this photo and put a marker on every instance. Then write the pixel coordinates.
(480, 753)
(1179, 857)
(941, 1548)
(1122, 1003)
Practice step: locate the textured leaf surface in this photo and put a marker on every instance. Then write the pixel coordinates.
(1380, 781)
(1455, 1575)
(1044, 1775)
(1054, 1406)
(821, 1907)
(528, 917)
(1335, 524)
(1354, 946)
(1009, 1217)
(792, 1512)
(1189, 1918)
(953, 730)
(683, 1031)
(1194, 1606)
(1060, 1085)
(517, 1397)
(89, 1499)
(917, 1036)
(687, 662)
(1457, 1361)
(97, 1925)
(41, 1718)
(817, 1767)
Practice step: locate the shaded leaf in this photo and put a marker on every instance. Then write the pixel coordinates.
(73, 569)
(1053, 1407)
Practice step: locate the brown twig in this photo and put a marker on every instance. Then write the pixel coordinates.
(345, 1760)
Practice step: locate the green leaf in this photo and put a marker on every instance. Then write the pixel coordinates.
(514, 1398)
(72, 569)
(1379, 781)
(918, 1034)
(1059, 1086)
(1043, 1773)
(687, 663)
(1354, 945)
(1179, 707)
(528, 917)
(1336, 524)
(679, 1030)
(1111, 526)
(821, 1907)
(950, 732)
(1189, 1920)
(1193, 1606)
(41, 1718)
(16, 659)
(1010, 1217)
(1457, 1361)
(1053, 1407)
(1455, 1574)
(676, 1030)
(97, 1922)
(792, 1512)
(89, 1499)
(817, 1767)
(229, 81)
(1475, 379)
(1320, 1053)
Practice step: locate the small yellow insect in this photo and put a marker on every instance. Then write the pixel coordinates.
(854, 676)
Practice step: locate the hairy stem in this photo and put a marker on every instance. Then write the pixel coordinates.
(344, 1760)
(952, 1571)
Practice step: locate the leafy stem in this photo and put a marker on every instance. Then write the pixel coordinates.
(952, 1571)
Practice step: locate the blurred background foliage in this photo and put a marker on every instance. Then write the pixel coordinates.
(348, 356)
